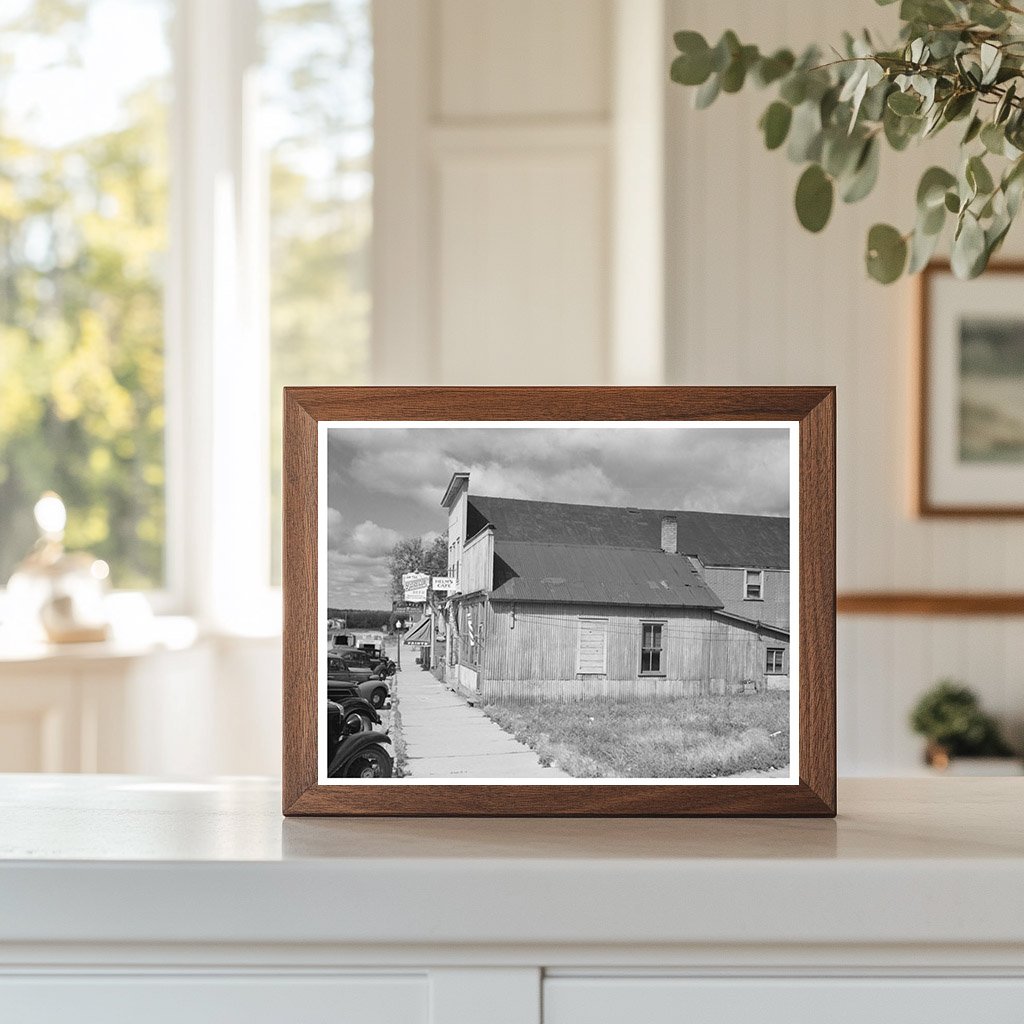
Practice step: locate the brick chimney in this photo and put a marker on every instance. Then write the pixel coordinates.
(669, 534)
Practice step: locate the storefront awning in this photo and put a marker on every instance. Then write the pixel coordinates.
(419, 635)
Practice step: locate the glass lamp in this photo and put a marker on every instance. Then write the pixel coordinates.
(56, 595)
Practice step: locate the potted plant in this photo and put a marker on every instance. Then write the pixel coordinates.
(950, 718)
(956, 62)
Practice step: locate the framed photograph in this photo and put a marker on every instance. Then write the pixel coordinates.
(559, 601)
(970, 451)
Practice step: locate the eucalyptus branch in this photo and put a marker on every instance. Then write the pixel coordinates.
(955, 60)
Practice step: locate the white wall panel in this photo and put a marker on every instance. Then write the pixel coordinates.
(522, 285)
(528, 58)
(754, 299)
(492, 243)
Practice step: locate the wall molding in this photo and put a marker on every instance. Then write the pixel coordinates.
(915, 603)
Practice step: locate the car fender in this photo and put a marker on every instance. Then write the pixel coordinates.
(352, 745)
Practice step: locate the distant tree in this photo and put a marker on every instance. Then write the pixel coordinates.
(411, 555)
(360, 618)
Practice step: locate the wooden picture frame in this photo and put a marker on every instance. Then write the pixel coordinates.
(941, 490)
(810, 411)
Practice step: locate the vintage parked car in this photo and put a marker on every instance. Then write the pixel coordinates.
(373, 659)
(355, 754)
(343, 677)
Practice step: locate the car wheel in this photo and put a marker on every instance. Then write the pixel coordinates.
(378, 696)
(372, 763)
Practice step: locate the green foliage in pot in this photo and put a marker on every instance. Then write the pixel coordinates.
(957, 62)
(949, 716)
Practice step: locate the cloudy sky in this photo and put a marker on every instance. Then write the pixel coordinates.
(386, 483)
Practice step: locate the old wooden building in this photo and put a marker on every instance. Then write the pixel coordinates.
(563, 601)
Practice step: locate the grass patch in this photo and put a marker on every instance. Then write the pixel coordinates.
(671, 738)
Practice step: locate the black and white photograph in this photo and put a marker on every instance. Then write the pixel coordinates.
(558, 602)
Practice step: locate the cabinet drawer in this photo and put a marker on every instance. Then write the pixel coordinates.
(202, 999)
(660, 1000)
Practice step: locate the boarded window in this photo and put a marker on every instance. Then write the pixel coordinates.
(592, 647)
(650, 648)
(754, 585)
(775, 660)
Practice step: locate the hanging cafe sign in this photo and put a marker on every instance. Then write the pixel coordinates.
(416, 584)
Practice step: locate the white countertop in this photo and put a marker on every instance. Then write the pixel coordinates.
(123, 859)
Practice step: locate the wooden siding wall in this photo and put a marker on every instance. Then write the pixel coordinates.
(478, 563)
(457, 537)
(739, 655)
(530, 653)
(728, 584)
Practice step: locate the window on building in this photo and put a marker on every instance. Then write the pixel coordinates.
(83, 243)
(592, 647)
(651, 648)
(753, 587)
(775, 661)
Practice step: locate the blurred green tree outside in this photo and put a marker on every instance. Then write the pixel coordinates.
(83, 242)
(83, 216)
(317, 87)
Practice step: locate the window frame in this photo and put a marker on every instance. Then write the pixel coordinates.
(747, 573)
(768, 660)
(661, 625)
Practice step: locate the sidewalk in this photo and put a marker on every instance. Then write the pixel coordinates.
(446, 738)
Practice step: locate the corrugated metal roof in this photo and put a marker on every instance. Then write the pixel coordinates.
(755, 624)
(592, 574)
(756, 542)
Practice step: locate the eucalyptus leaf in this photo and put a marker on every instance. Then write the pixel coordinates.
(931, 190)
(865, 173)
(707, 93)
(1005, 105)
(932, 221)
(814, 196)
(886, 253)
(987, 15)
(968, 248)
(973, 130)
(794, 88)
(991, 61)
(904, 103)
(958, 105)
(922, 247)
(805, 133)
(775, 124)
(735, 74)
(840, 152)
(978, 176)
(993, 138)
(724, 51)
(771, 69)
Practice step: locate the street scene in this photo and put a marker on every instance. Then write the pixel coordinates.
(482, 625)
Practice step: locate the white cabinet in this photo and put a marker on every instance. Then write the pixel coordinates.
(828, 1000)
(201, 999)
(128, 898)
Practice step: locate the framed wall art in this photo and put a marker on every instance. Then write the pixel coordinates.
(559, 601)
(970, 445)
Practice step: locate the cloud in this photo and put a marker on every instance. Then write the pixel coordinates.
(370, 539)
(357, 581)
(335, 522)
